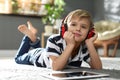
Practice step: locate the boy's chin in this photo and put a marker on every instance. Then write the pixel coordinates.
(79, 40)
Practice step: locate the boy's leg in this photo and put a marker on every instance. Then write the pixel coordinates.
(24, 29)
(34, 31)
(36, 44)
(22, 56)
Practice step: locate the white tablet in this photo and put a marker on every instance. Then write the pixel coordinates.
(74, 75)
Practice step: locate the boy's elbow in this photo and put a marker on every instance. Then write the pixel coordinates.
(56, 69)
(98, 67)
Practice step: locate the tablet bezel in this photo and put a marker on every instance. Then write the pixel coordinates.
(94, 75)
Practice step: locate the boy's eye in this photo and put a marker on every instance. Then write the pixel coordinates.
(73, 24)
(83, 26)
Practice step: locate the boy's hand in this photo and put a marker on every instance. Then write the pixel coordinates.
(92, 39)
(69, 38)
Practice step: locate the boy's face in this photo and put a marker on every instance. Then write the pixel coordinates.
(79, 27)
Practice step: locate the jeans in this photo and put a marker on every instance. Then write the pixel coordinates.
(24, 54)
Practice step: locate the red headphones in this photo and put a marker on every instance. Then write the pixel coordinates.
(64, 28)
(90, 33)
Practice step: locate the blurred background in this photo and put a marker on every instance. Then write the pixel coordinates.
(16, 12)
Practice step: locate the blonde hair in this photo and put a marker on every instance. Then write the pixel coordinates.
(79, 13)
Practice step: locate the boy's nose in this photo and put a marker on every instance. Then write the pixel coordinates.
(78, 28)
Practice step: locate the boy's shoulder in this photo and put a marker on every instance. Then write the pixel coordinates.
(55, 36)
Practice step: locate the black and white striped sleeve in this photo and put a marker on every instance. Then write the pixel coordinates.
(86, 56)
(54, 46)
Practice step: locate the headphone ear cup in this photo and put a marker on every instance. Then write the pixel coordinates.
(90, 33)
(65, 25)
(63, 29)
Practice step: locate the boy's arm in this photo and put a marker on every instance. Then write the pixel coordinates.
(58, 63)
(95, 61)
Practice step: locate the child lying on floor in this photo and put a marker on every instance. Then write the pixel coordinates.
(69, 48)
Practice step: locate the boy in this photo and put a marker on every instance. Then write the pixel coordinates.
(61, 50)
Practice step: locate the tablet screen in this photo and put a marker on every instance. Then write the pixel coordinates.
(73, 74)
(76, 75)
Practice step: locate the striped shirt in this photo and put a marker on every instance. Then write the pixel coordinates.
(56, 45)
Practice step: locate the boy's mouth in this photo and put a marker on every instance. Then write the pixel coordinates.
(77, 34)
